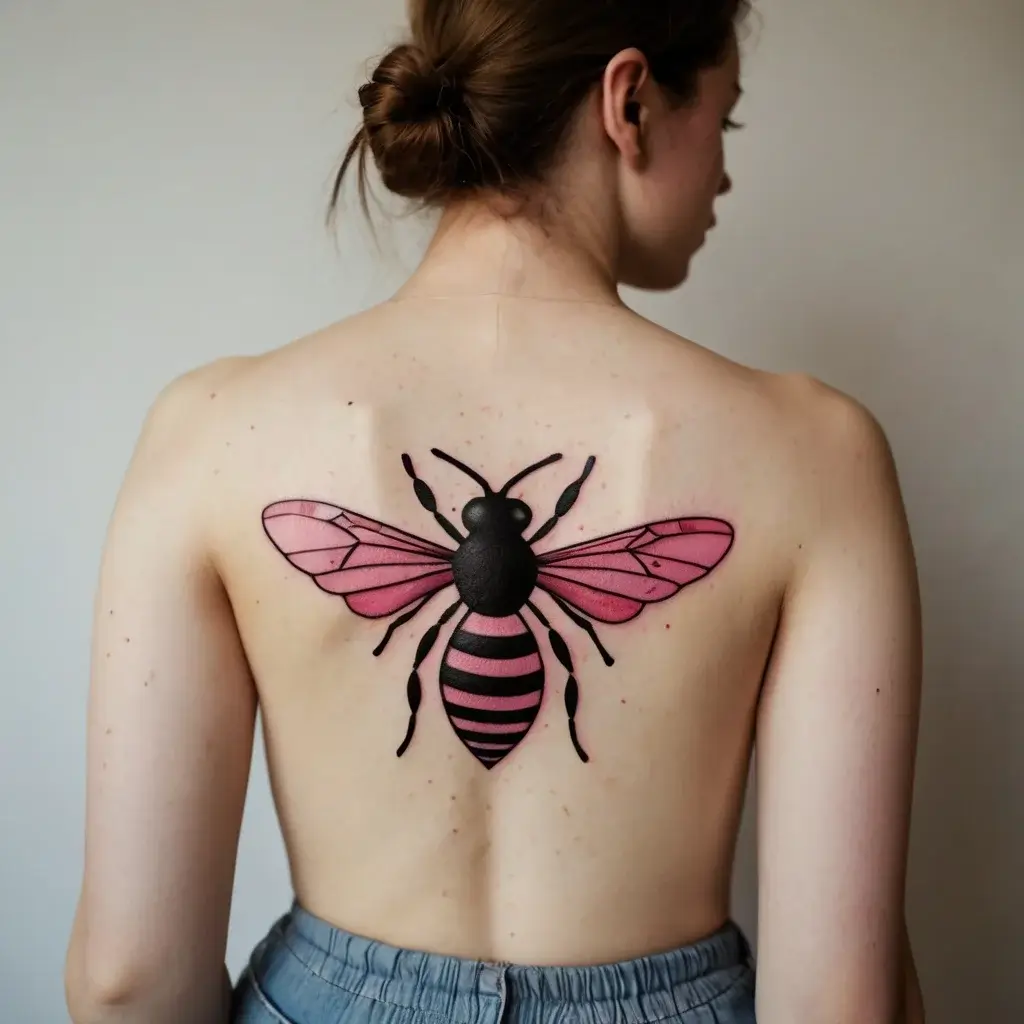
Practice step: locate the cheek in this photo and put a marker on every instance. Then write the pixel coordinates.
(687, 170)
(707, 155)
(718, 165)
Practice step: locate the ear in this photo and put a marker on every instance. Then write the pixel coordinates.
(623, 108)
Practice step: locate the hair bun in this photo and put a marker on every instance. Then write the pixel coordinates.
(411, 87)
(416, 124)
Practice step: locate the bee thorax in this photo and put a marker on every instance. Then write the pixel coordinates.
(495, 575)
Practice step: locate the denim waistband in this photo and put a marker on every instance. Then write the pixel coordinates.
(672, 981)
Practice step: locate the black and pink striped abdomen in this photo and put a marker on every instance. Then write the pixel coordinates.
(492, 681)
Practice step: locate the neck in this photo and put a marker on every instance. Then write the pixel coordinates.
(476, 251)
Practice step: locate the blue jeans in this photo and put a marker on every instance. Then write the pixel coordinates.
(308, 972)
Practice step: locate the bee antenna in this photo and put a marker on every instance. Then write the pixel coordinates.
(519, 477)
(471, 473)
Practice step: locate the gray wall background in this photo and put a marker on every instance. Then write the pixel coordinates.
(163, 172)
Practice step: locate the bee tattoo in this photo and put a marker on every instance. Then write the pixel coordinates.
(491, 674)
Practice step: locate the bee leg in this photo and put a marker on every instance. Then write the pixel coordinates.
(572, 700)
(397, 624)
(414, 689)
(565, 503)
(426, 498)
(572, 688)
(586, 625)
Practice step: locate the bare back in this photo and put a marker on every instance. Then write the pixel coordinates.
(323, 533)
(543, 856)
(551, 805)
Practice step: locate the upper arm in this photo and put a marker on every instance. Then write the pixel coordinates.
(170, 730)
(836, 741)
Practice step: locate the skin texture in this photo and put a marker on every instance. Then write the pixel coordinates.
(507, 344)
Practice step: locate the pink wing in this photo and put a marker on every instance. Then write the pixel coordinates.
(611, 579)
(378, 569)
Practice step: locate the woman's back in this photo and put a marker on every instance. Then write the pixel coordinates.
(544, 857)
(516, 578)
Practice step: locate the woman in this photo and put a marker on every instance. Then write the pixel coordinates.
(516, 578)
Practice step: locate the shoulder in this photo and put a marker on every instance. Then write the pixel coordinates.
(207, 404)
(838, 432)
(182, 418)
(809, 429)
(830, 427)
(832, 452)
(846, 483)
(167, 486)
(186, 398)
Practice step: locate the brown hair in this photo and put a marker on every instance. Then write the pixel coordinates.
(485, 90)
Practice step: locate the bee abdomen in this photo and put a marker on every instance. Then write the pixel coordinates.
(492, 682)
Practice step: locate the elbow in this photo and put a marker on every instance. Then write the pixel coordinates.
(101, 990)
(841, 1015)
(92, 1003)
(98, 992)
(94, 991)
(908, 1009)
(913, 998)
(114, 983)
(860, 1001)
(107, 985)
